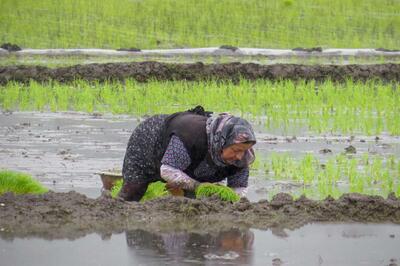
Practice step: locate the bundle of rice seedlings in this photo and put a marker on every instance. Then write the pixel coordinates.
(223, 192)
(19, 183)
(154, 190)
(116, 188)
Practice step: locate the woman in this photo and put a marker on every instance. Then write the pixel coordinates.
(185, 149)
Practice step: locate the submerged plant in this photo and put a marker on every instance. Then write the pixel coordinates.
(19, 183)
(224, 192)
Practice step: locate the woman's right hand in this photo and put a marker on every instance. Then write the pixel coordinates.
(175, 189)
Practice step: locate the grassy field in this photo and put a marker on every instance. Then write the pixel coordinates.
(368, 108)
(191, 23)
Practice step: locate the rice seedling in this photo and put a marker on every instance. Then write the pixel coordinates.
(154, 190)
(116, 188)
(19, 183)
(223, 192)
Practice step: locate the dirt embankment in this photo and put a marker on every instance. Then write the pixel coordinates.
(145, 71)
(72, 215)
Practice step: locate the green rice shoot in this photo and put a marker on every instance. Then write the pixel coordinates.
(155, 190)
(19, 183)
(225, 193)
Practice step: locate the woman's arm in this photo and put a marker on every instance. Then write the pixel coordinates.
(177, 178)
(176, 159)
(239, 181)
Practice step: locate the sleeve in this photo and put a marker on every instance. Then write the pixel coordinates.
(175, 160)
(239, 181)
(176, 154)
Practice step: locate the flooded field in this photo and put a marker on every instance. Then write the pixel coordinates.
(65, 151)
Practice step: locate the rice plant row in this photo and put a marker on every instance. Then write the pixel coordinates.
(370, 108)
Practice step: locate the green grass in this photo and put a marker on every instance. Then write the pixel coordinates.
(284, 107)
(191, 23)
(316, 178)
(19, 183)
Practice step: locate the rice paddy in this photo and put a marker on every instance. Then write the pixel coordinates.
(190, 23)
(290, 107)
(327, 123)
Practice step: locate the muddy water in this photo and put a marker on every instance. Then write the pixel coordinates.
(64, 151)
(313, 244)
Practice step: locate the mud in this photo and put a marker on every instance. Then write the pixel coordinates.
(308, 50)
(133, 49)
(229, 47)
(144, 71)
(71, 215)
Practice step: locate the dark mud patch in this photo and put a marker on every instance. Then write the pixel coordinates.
(387, 50)
(144, 71)
(10, 47)
(229, 47)
(308, 50)
(133, 49)
(72, 215)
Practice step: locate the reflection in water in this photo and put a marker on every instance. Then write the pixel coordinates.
(233, 245)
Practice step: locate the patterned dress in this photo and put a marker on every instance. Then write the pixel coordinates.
(145, 144)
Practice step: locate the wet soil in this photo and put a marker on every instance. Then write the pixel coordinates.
(72, 215)
(144, 71)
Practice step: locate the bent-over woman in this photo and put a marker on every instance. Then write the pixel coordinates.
(187, 148)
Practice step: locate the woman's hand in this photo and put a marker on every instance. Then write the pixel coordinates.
(175, 189)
